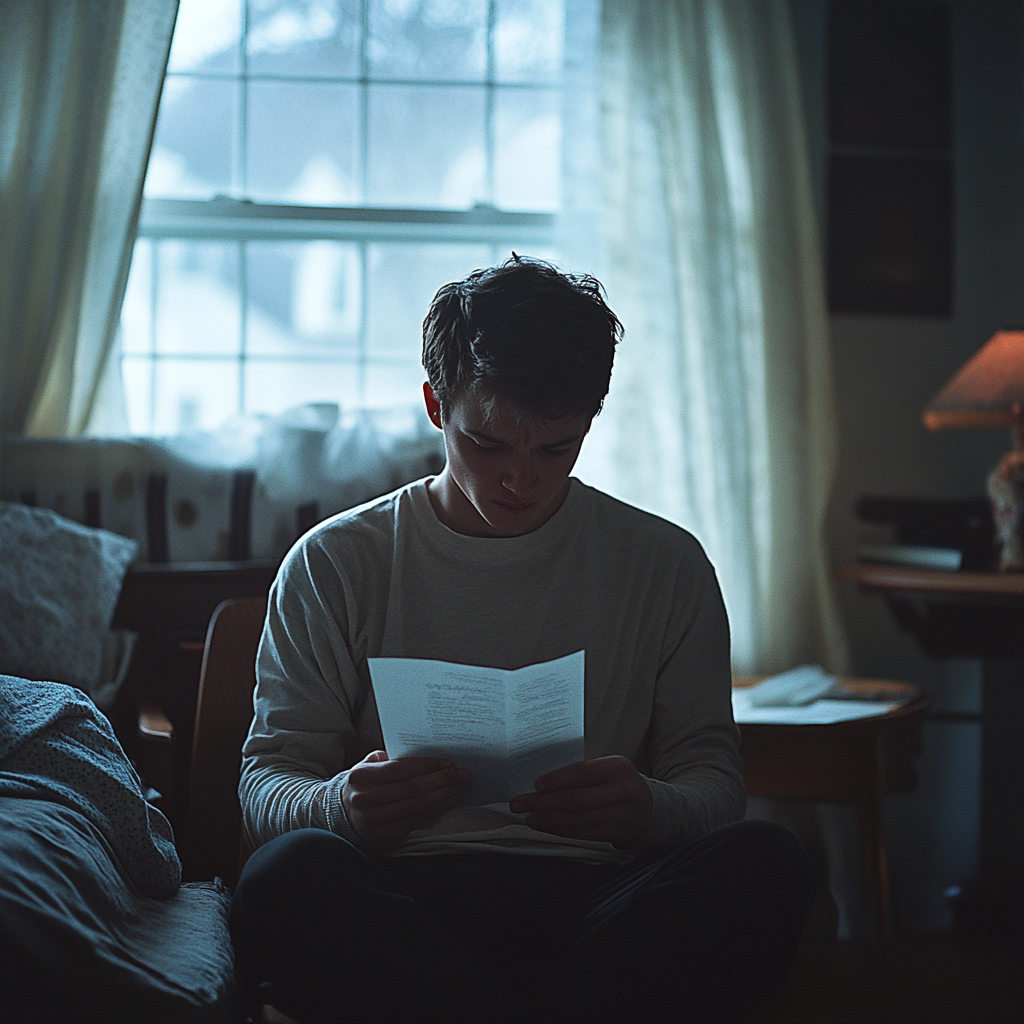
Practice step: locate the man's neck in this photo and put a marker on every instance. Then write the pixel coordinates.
(455, 511)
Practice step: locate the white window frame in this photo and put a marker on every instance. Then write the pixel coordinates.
(241, 221)
(227, 219)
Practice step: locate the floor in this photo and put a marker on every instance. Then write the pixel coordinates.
(921, 980)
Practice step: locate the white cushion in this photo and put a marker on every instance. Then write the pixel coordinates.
(59, 584)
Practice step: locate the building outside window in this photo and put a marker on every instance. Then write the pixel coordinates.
(319, 169)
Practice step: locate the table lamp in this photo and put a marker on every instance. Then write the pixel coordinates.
(988, 391)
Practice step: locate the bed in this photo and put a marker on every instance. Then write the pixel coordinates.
(94, 922)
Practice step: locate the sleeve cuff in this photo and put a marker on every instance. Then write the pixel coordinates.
(665, 811)
(334, 811)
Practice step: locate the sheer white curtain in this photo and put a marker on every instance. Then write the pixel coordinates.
(720, 416)
(80, 82)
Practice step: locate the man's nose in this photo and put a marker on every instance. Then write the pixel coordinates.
(519, 474)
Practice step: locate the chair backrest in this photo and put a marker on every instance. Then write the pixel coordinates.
(224, 710)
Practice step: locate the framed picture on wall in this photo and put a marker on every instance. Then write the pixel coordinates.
(890, 171)
(890, 245)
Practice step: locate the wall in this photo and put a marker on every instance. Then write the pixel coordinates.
(886, 370)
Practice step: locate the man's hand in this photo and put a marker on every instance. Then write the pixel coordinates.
(385, 800)
(605, 799)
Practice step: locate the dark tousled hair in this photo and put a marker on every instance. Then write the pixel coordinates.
(525, 332)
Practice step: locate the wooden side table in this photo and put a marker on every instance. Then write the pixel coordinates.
(950, 614)
(975, 615)
(857, 762)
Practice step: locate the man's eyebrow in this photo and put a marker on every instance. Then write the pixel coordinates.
(497, 440)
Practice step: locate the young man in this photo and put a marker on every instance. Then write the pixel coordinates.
(625, 887)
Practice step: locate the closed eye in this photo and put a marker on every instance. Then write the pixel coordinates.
(484, 446)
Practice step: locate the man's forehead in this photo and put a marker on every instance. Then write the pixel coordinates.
(487, 410)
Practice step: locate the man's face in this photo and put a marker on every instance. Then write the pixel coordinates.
(506, 474)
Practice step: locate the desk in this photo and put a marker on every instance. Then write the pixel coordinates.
(857, 762)
(950, 614)
(183, 595)
(169, 605)
(980, 615)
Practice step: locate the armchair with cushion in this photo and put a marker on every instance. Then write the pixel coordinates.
(94, 923)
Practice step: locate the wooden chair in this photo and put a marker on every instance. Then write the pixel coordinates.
(213, 843)
(857, 762)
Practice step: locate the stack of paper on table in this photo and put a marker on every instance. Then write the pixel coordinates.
(799, 697)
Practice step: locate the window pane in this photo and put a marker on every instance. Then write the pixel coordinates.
(392, 384)
(137, 309)
(305, 298)
(403, 278)
(193, 148)
(207, 36)
(272, 386)
(308, 38)
(432, 39)
(426, 146)
(527, 150)
(303, 143)
(198, 308)
(194, 394)
(137, 374)
(528, 40)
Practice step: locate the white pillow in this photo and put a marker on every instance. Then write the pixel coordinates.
(59, 583)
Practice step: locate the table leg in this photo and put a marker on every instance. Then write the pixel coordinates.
(991, 906)
(1002, 795)
(874, 865)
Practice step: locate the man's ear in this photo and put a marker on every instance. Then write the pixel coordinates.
(433, 405)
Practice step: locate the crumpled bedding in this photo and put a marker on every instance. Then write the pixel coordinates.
(93, 923)
(55, 745)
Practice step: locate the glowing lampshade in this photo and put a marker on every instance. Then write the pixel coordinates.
(987, 391)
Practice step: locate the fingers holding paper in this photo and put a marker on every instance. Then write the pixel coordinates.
(605, 799)
(385, 800)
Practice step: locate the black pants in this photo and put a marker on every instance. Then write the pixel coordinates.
(327, 934)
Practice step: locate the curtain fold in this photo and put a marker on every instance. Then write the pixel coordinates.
(720, 416)
(80, 83)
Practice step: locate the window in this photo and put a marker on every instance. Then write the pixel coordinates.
(319, 169)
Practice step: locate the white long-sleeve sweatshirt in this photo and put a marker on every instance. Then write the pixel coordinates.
(388, 579)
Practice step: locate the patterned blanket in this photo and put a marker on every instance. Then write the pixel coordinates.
(55, 745)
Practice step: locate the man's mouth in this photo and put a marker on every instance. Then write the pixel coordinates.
(511, 506)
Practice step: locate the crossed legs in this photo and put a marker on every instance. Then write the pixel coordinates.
(328, 934)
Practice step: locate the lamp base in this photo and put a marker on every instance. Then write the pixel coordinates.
(1006, 489)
